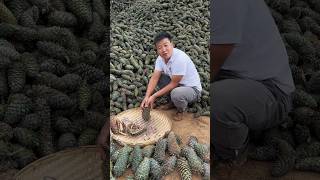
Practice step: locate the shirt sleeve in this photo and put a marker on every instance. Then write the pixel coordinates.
(158, 66)
(227, 21)
(179, 67)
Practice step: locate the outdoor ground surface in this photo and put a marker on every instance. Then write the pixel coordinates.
(252, 170)
(188, 126)
(200, 128)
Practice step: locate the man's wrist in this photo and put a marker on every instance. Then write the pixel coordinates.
(155, 95)
(147, 96)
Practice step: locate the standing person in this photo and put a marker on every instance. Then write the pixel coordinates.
(174, 73)
(252, 82)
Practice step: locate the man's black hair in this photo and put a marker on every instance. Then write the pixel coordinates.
(160, 36)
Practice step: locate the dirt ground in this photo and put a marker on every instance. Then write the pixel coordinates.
(252, 170)
(8, 175)
(255, 170)
(200, 127)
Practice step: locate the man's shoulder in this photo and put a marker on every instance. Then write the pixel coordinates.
(159, 62)
(179, 51)
(179, 54)
(159, 59)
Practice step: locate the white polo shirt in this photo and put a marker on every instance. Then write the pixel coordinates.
(180, 64)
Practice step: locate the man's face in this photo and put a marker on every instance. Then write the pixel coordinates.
(165, 48)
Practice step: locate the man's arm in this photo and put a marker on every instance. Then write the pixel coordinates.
(175, 79)
(104, 134)
(153, 82)
(218, 54)
(151, 86)
(103, 139)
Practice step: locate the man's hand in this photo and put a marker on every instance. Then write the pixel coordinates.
(151, 101)
(144, 103)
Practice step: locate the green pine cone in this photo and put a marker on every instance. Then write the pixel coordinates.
(62, 18)
(206, 175)
(160, 150)
(4, 89)
(114, 155)
(173, 146)
(6, 15)
(302, 98)
(30, 17)
(54, 66)
(100, 8)
(286, 158)
(88, 137)
(97, 29)
(263, 153)
(6, 132)
(62, 125)
(192, 141)
(46, 133)
(137, 158)
(146, 113)
(16, 77)
(70, 82)
(19, 105)
(84, 96)
(184, 169)
(169, 165)
(142, 173)
(26, 137)
(122, 161)
(308, 164)
(88, 72)
(22, 155)
(308, 150)
(193, 160)
(155, 170)
(67, 140)
(80, 9)
(31, 64)
(302, 134)
(202, 151)
(147, 151)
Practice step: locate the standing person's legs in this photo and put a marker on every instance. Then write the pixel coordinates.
(238, 105)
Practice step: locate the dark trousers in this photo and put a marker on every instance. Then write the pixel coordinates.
(239, 105)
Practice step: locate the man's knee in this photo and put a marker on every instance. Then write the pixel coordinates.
(178, 98)
(176, 94)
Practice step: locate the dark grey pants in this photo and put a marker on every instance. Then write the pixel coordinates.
(180, 96)
(239, 105)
